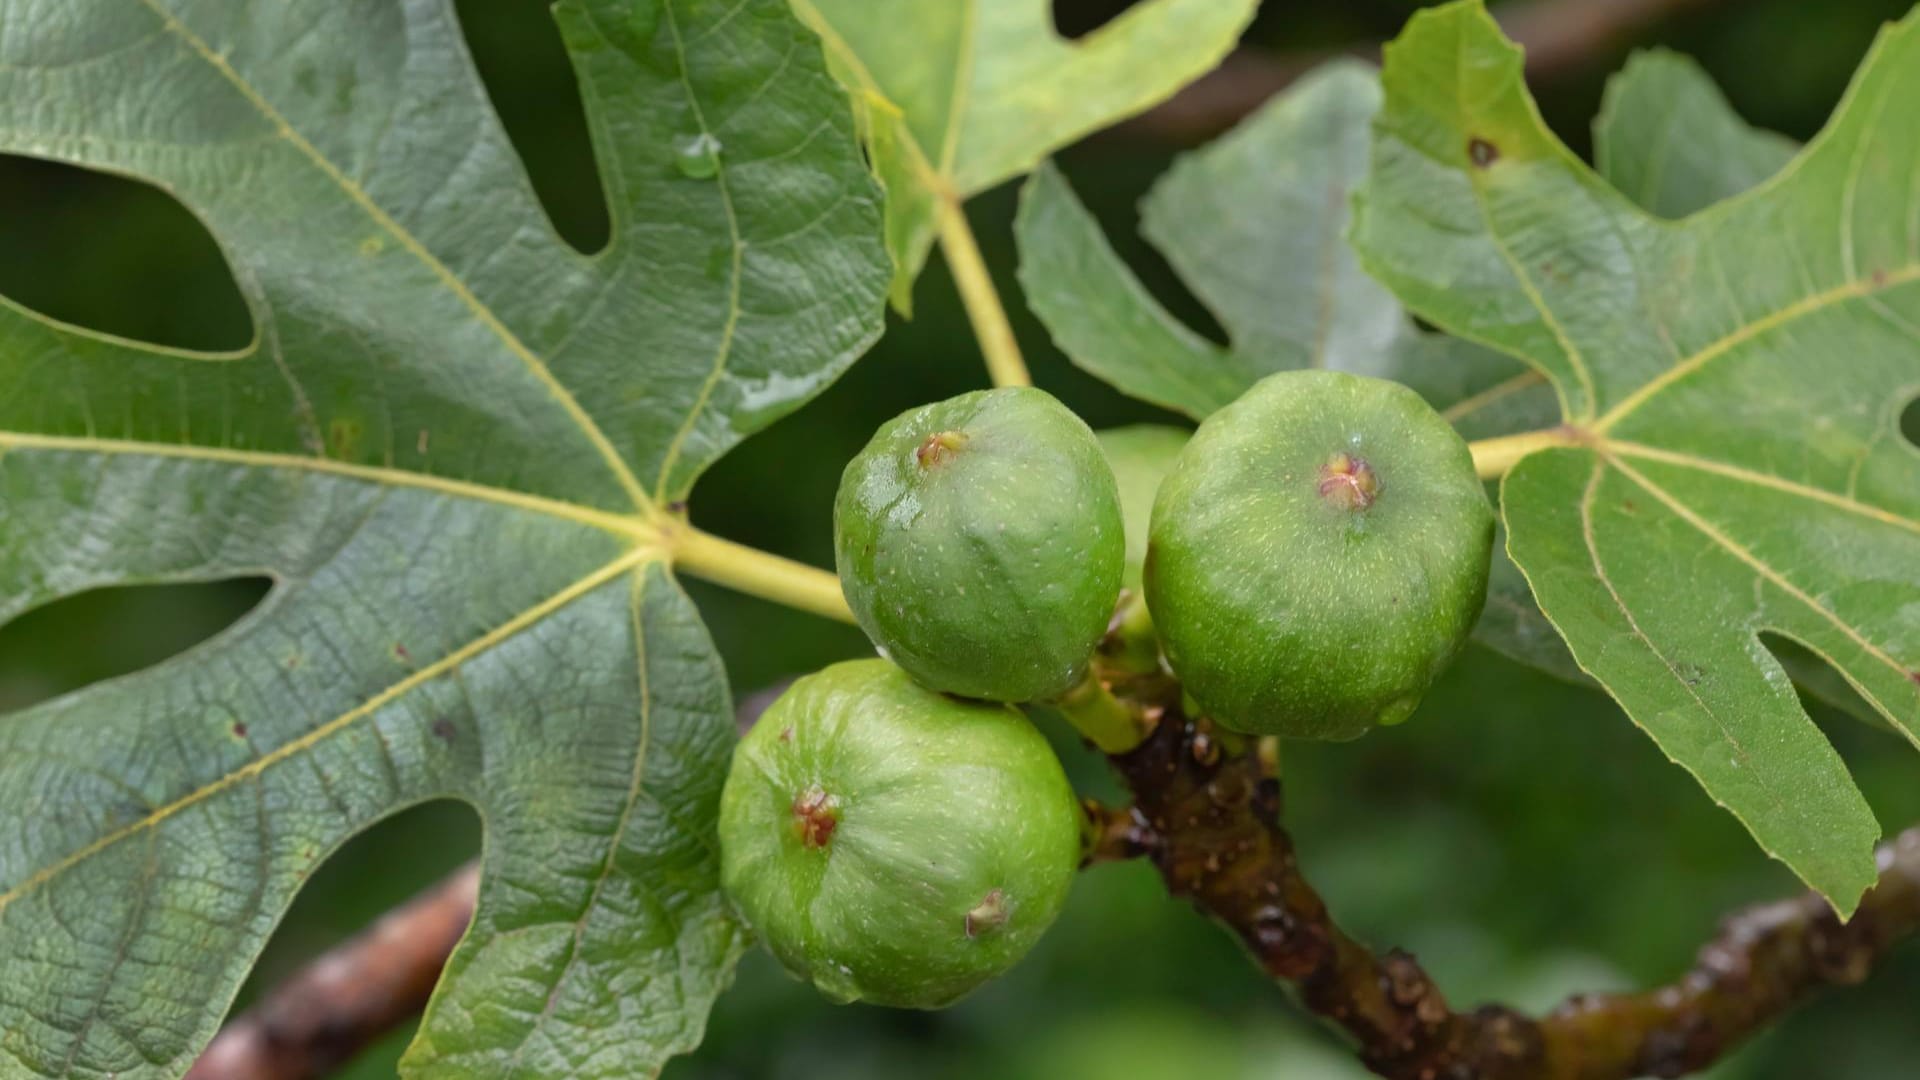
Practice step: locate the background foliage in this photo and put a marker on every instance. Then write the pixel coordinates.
(1519, 835)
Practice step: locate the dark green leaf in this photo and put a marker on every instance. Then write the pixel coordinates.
(455, 445)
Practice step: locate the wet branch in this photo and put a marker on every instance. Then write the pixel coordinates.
(1211, 824)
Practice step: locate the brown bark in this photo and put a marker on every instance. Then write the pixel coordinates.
(1211, 824)
(333, 1008)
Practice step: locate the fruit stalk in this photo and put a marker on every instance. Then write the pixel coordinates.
(1210, 822)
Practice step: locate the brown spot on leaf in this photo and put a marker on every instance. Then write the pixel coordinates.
(1481, 152)
(239, 731)
(1879, 277)
(444, 730)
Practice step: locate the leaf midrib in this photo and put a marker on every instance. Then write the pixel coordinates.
(633, 560)
(631, 527)
(1758, 565)
(1852, 289)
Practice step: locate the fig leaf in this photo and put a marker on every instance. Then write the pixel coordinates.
(451, 445)
(1732, 385)
(957, 96)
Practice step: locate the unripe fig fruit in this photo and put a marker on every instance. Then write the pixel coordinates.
(894, 845)
(979, 543)
(1141, 456)
(1318, 555)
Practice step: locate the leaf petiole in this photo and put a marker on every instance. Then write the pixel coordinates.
(759, 573)
(989, 317)
(1493, 457)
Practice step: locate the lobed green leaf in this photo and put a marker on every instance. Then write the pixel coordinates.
(457, 446)
(1731, 383)
(956, 97)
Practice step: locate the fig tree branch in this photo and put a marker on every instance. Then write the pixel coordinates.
(1207, 813)
(338, 1005)
(1211, 824)
(1561, 37)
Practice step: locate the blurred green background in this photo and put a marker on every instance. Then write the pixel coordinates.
(1520, 835)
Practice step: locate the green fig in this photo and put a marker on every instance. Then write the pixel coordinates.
(979, 544)
(1141, 456)
(1318, 555)
(894, 845)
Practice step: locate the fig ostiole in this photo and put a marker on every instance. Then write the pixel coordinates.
(979, 544)
(1318, 555)
(894, 845)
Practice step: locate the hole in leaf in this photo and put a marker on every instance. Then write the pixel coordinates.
(374, 872)
(1075, 19)
(523, 63)
(1910, 422)
(105, 633)
(1823, 690)
(115, 255)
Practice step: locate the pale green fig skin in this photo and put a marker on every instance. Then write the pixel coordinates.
(957, 836)
(1286, 611)
(987, 569)
(1141, 456)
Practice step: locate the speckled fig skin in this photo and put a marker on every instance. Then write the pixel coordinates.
(979, 544)
(894, 845)
(1318, 555)
(1141, 455)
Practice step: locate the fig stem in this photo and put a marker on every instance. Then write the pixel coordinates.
(759, 573)
(1105, 720)
(1493, 457)
(1130, 649)
(1005, 365)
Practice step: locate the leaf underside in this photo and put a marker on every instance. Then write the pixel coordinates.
(1734, 380)
(449, 445)
(958, 96)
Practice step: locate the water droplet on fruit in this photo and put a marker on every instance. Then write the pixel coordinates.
(699, 157)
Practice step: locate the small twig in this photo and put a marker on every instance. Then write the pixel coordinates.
(1211, 826)
(336, 1006)
(1561, 37)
